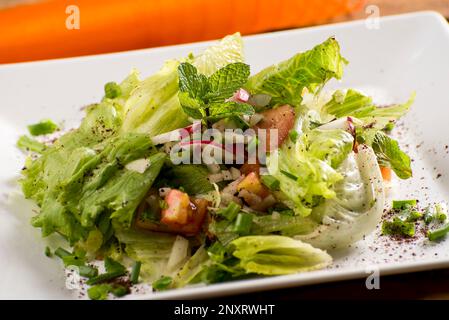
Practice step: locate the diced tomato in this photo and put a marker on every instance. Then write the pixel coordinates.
(252, 184)
(281, 119)
(386, 173)
(192, 227)
(178, 208)
(247, 168)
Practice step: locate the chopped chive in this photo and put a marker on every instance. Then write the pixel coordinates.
(48, 252)
(43, 127)
(61, 253)
(162, 283)
(105, 277)
(99, 292)
(438, 233)
(271, 182)
(230, 212)
(243, 223)
(440, 214)
(289, 175)
(216, 251)
(88, 271)
(119, 291)
(389, 127)
(293, 135)
(398, 227)
(287, 212)
(414, 216)
(112, 90)
(135, 272)
(403, 204)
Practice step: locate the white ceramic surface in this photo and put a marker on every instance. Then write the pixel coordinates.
(407, 53)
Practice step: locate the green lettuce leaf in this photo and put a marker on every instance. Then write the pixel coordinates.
(285, 81)
(277, 255)
(192, 178)
(306, 168)
(150, 248)
(154, 107)
(390, 155)
(374, 118)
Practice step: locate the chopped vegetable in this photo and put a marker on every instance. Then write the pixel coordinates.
(162, 283)
(271, 182)
(438, 234)
(29, 144)
(398, 227)
(43, 127)
(112, 90)
(230, 212)
(404, 204)
(178, 208)
(243, 223)
(135, 272)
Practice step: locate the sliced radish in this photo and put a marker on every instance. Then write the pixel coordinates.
(241, 95)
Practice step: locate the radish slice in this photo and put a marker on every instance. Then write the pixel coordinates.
(241, 95)
(177, 134)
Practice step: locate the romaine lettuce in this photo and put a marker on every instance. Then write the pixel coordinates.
(285, 81)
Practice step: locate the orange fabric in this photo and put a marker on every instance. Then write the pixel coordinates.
(38, 31)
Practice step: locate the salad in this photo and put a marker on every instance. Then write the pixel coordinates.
(204, 173)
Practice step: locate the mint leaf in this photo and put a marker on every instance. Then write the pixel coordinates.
(225, 81)
(390, 155)
(229, 109)
(192, 82)
(199, 94)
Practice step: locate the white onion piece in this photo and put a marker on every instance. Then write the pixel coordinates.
(235, 173)
(215, 177)
(214, 168)
(178, 254)
(163, 192)
(226, 175)
(345, 123)
(139, 165)
(255, 119)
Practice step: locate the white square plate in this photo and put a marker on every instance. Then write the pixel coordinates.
(406, 53)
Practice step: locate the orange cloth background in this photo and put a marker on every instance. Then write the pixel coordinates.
(38, 31)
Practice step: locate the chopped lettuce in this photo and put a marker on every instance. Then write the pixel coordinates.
(192, 178)
(29, 144)
(152, 249)
(354, 104)
(285, 81)
(306, 168)
(276, 255)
